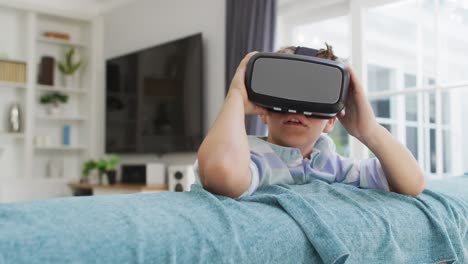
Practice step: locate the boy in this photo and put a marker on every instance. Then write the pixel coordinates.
(230, 163)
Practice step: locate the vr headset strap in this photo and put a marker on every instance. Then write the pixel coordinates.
(306, 51)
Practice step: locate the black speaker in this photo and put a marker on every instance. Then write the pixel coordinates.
(181, 178)
(134, 174)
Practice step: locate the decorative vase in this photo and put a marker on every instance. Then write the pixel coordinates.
(66, 135)
(84, 179)
(15, 118)
(69, 81)
(54, 109)
(111, 176)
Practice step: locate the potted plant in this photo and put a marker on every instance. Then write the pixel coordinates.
(69, 68)
(112, 163)
(103, 167)
(88, 167)
(54, 99)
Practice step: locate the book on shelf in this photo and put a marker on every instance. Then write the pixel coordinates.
(12, 71)
(57, 35)
(46, 70)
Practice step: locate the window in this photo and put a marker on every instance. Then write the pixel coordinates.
(333, 31)
(381, 79)
(406, 38)
(413, 63)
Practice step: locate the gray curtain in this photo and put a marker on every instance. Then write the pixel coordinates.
(250, 26)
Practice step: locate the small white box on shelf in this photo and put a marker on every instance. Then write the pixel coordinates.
(155, 174)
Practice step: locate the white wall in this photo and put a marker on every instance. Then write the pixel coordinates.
(71, 8)
(146, 23)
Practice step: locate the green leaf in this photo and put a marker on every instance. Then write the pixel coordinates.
(68, 67)
(88, 166)
(53, 97)
(75, 67)
(63, 68)
(69, 56)
(112, 162)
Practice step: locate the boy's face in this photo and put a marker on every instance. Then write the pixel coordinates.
(295, 130)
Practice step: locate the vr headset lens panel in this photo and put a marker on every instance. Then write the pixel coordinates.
(297, 80)
(297, 83)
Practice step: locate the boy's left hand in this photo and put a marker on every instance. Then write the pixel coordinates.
(358, 117)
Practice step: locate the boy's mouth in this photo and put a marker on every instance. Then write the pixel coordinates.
(295, 120)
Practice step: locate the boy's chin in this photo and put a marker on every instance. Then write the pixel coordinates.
(294, 142)
(297, 138)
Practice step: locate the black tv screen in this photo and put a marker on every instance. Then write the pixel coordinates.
(154, 99)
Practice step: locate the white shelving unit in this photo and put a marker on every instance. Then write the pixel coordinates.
(12, 85)
(62, 118)
(75, 113)
(48, 88)
(13, 48)
(61, 148)
(61, 42)
(21, 158)
(11, 135)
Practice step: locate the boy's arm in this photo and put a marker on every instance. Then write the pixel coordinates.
(224, 155)
(401, 169)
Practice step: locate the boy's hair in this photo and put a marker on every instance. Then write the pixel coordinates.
(322, 53)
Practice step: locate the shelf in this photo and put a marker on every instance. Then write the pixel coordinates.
(49, 88)
(61, 42)
(62, 118)
(14, 85)
(13, 135)
(119, 186)
(64, 180)
(61, 148)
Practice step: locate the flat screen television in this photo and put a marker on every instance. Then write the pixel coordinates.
(154, 99)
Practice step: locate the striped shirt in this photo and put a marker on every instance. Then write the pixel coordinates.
(274, 164)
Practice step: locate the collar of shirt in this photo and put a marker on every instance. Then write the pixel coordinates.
(293, 156)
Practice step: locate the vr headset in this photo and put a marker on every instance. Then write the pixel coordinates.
(297, 83)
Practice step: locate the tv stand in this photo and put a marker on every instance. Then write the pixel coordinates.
(82, 189)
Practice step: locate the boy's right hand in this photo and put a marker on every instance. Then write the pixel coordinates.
(238, 86)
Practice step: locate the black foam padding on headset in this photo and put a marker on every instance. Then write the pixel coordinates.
(306, 51)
